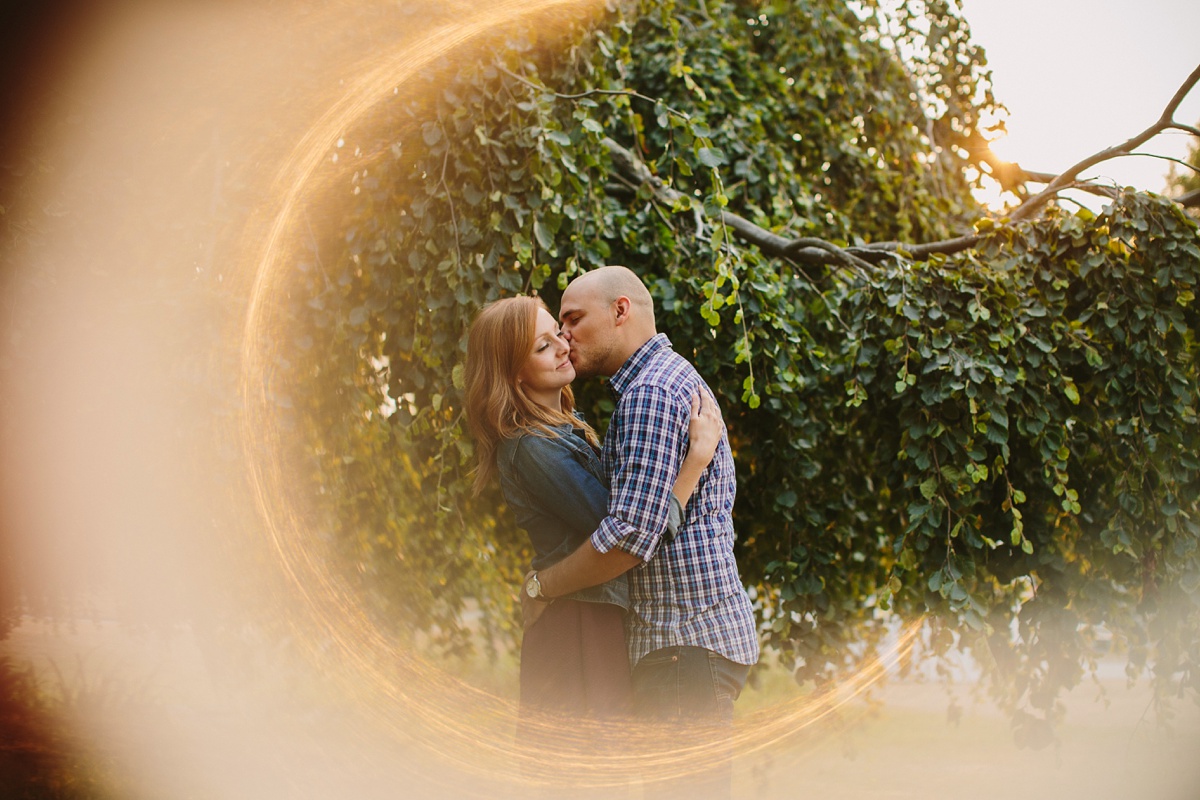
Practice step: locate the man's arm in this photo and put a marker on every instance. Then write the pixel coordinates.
(651, 428)
(586, 566)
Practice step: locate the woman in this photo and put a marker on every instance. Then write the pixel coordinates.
(522, 414)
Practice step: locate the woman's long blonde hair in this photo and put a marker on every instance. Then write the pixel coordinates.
(498, 343)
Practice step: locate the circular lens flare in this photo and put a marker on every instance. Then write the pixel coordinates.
(469, 729)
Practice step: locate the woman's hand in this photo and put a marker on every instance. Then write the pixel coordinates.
(704, 434)
(704, 430)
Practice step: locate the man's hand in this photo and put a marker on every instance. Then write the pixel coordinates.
(531, 608)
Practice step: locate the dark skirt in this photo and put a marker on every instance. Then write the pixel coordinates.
(574, 662)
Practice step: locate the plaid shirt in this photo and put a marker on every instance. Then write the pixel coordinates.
(687, 590)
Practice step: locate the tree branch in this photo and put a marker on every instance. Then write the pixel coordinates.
(1165, 121)
(590, 93)
(863, 259)
(1028, 176)
(806, 250)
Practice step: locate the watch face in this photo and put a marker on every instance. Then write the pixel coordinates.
(533, 587)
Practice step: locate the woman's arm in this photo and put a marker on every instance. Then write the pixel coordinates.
(559, 486)
(704, 434)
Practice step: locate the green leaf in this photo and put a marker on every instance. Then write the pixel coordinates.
(929, 488)
(935, 581)
(545, 238)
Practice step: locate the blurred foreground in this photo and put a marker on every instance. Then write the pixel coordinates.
(154, 716)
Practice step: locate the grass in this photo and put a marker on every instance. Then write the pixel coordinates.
(909, 739)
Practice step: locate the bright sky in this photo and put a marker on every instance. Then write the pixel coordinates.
(1078, 76)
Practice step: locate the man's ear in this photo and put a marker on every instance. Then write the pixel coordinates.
(621, 308)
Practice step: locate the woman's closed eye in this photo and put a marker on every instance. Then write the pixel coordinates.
(558, 337)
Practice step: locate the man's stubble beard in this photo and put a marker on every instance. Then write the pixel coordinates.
(592, 365)
(584, 370)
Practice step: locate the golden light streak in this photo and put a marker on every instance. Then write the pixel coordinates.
(114, 472)
(470, 729)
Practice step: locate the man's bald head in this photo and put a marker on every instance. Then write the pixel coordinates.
(606, 314)
(612, 283)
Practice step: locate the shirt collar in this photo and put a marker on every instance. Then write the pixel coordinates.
(634, 364)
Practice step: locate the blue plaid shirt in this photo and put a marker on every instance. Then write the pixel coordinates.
(687, 590)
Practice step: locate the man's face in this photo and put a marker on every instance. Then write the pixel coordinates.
(587, 323)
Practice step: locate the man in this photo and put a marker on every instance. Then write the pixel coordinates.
(691, 631)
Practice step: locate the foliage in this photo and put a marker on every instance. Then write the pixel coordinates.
(1186, 177)
(36, 763)
(1005, 437)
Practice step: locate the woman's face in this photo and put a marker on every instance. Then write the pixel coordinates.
(547, 368)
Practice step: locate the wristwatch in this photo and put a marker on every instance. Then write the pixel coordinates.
(533, 587)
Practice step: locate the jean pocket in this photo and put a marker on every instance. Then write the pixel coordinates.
(656, 685)
(656, 659)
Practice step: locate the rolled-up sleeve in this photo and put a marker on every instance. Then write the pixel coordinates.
(570, 492)
(651, 424)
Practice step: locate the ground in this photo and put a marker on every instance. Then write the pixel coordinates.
(155, 716)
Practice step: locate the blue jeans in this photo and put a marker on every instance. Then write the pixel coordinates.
(694, 688)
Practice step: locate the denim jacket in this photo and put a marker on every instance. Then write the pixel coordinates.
(557, 490)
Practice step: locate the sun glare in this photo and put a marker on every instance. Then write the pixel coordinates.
(466, 727)
(100, 478)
